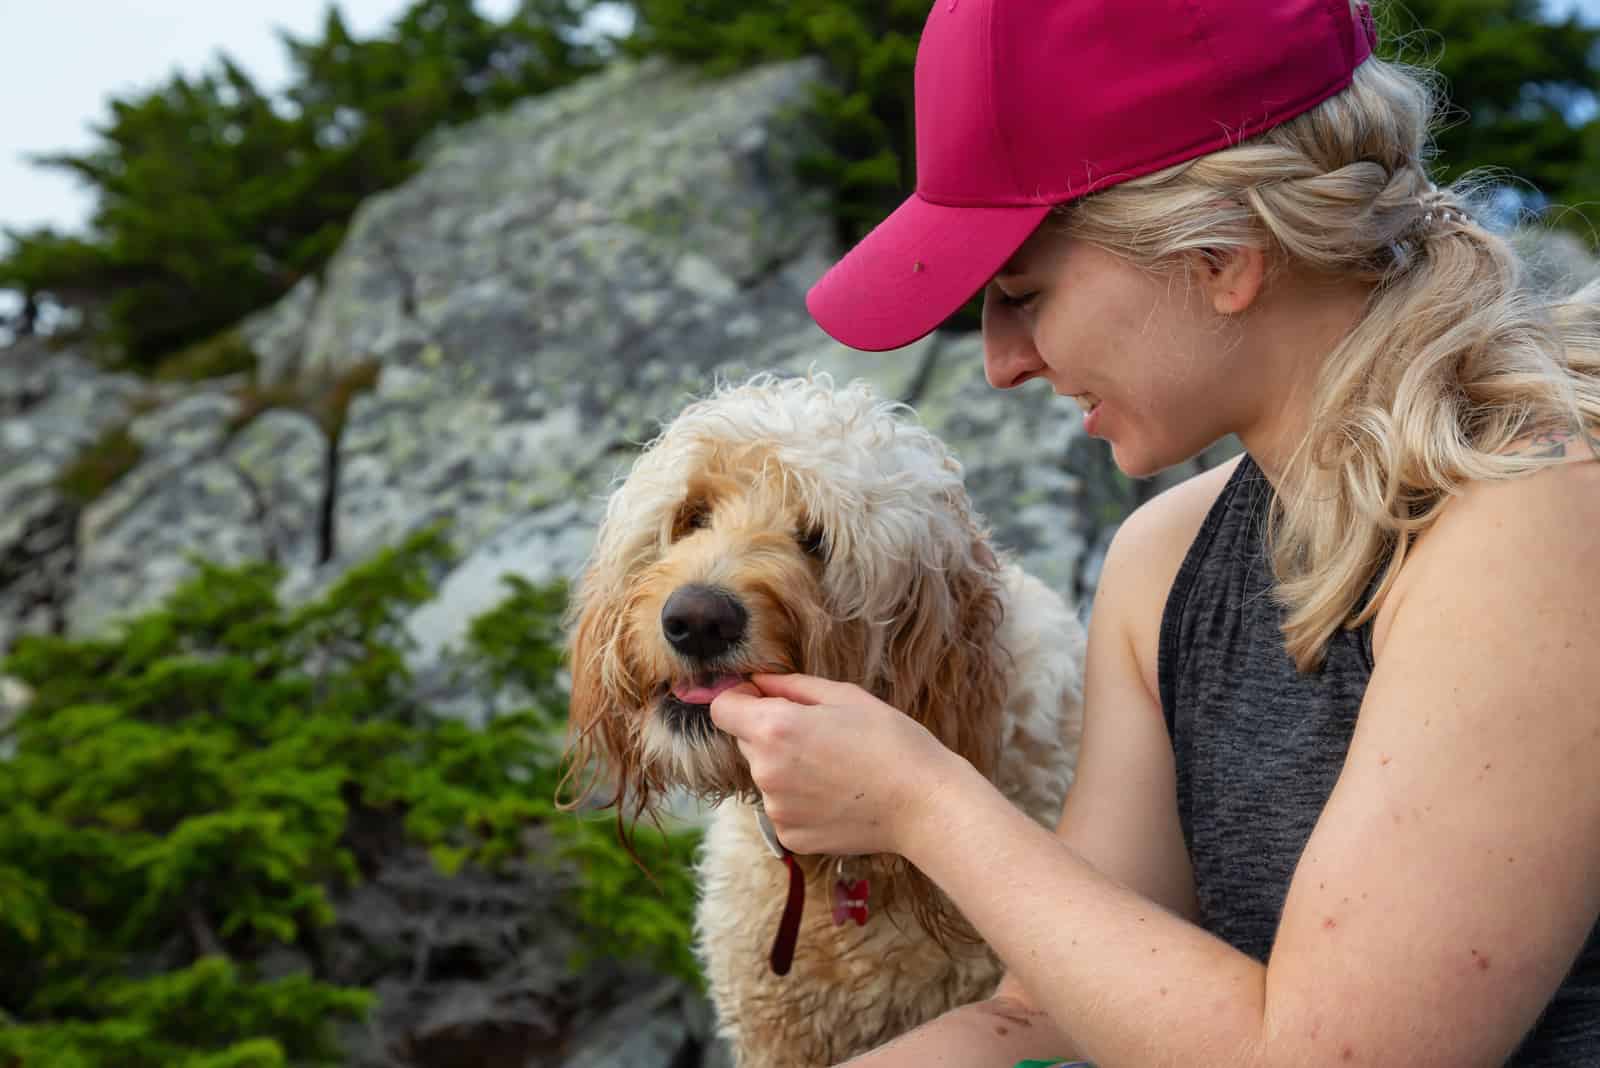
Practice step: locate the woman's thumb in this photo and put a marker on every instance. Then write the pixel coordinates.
(801, 689)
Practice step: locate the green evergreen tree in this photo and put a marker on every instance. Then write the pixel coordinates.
(212, 197)
(1522, 90)
(195, 221)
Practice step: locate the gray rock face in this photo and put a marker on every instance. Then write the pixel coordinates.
(277, 335)
(552, 285)
(53, 407)
(203, 489)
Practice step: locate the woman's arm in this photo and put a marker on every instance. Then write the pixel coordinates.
(1121, 813)
(1450, 881)
(995, 1033)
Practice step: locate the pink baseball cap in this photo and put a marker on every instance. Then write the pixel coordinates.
(1025, 104)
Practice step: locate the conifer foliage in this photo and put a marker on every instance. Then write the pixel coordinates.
(1522, 82)
(195, 797)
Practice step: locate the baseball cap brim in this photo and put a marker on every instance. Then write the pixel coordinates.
(916, 269)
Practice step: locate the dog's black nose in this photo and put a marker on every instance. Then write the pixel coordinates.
(702, 621)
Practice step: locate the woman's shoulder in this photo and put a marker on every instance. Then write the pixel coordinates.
(1529, 532)
(1163, 528)
(1146, 554)
(1561, 484)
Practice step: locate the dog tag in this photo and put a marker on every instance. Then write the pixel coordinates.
(850, 901)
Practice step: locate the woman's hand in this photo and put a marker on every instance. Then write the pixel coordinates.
(840, 771)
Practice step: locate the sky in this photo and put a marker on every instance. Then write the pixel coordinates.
(62, 60)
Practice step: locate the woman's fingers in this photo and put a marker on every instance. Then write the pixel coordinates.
(737, 710)
(804, 689)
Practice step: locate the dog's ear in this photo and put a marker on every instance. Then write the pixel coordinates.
(944, 664)
(600, 741)
(946, 671)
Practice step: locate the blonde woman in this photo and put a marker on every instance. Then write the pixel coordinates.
(1339, 794)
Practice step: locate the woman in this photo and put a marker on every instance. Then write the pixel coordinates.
(1338, 798)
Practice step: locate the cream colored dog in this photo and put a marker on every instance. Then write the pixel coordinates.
(785, 525)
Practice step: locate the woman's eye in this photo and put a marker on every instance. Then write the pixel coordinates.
(1020, 300)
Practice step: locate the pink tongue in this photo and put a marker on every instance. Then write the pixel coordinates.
(692, 693)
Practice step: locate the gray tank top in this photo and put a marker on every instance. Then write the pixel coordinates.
(1259, 747)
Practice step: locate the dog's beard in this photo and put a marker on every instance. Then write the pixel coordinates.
(685, 749)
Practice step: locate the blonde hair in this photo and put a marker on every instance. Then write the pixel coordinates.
(1454, 360)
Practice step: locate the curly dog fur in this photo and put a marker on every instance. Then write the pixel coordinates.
(788, 525)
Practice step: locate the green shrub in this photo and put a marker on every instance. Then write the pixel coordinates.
(633, 912)
(183, 799)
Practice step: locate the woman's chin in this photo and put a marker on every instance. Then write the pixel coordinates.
(1138, 461)
(1133, 461)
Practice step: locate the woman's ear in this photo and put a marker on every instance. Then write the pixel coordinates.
(1232, 277)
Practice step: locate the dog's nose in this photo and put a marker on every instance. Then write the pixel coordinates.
(702, 621)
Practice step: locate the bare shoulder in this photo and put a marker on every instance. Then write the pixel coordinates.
(1486, 517)
(1146, 553)
(1164, 526)
(1152, 542)
(1509, 538)
(1546, 509)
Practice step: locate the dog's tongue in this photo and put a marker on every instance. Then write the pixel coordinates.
(702, 691)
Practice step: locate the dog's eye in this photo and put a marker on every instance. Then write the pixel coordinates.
(692, 515)
(811, 541)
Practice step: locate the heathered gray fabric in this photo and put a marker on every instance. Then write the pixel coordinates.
(1259, 747)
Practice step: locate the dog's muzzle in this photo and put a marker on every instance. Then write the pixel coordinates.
(703, 624)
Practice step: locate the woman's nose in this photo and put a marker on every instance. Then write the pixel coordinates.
(1010, 357)
(1011, 360)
